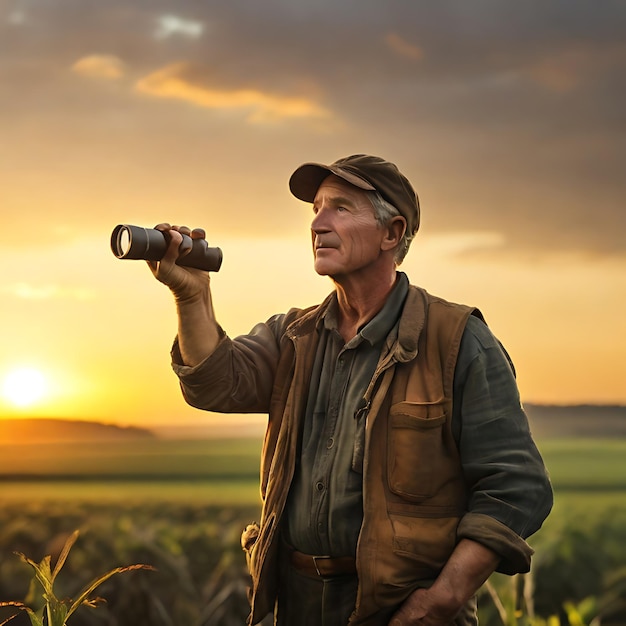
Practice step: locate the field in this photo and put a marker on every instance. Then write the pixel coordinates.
(181, 505)
(212, 471)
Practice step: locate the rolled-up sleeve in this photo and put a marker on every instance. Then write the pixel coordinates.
(510, 494)
(238, 376)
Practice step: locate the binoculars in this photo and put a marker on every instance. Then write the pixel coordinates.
(149, 244)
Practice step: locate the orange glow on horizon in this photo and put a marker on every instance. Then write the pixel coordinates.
(114, 365)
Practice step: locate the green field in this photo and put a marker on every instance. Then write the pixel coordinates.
(227, 470)
(586, 463)
(181, 506)
(149, 459)
(213, 471)
(574, 464)
(589, 476)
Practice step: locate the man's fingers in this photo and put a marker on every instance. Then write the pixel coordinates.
(185, 245)
(180, 241)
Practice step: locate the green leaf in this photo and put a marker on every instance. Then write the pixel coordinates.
(91, 587)
(36, 619)
(63, 556)
(573, 615)
(57, 613)
(43, 572)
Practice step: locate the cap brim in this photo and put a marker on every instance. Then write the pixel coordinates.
(306, 180)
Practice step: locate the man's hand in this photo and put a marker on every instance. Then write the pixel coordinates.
(185, 283)
(467, 569)
(427, 608)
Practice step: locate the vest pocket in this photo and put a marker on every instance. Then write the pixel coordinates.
(426, 542)
(416, 454)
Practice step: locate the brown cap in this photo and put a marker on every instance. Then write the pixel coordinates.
(366, 172)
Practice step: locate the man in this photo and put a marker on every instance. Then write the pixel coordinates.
(398, 471)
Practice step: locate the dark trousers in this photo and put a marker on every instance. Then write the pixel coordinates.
(307, 601)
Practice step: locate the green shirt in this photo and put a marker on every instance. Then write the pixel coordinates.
(325, 505)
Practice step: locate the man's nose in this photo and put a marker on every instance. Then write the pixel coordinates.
(320, 224)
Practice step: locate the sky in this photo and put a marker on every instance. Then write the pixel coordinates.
(508, 117)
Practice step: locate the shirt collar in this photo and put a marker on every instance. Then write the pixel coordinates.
(377, 329)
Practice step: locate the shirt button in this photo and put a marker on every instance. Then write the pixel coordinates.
(330, 443)
(319, 486)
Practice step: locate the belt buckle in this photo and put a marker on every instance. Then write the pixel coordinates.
(317, 569)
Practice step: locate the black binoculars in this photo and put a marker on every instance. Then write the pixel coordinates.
(149, 244)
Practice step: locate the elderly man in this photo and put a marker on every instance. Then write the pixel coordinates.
(398, 471)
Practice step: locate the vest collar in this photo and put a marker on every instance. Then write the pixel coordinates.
(402, 342)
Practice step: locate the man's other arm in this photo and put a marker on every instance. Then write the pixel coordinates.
(467, 569)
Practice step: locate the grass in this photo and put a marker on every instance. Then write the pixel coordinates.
(575, 463)
(148, 459)
(211, 492)
(195, 548)
(594, 464)
(215, 471)
(184, 503)
(226, 471)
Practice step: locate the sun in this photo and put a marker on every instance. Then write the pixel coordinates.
(24, 386)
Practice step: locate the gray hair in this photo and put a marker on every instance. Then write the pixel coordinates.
(385, 212)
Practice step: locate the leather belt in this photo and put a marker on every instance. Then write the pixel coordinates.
(322, 566)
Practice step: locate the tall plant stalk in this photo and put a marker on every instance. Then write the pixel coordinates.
(57, 611)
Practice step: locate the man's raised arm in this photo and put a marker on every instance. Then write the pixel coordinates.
(198, 331)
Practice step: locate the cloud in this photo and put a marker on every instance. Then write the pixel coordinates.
(170, 25)
(174, 82)
(556, 74)
(403, 48)
(462, 243)
(520, 104)
(16, 18)
(100, 66)
(568, 68)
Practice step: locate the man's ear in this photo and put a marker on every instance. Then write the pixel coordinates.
(395, 231)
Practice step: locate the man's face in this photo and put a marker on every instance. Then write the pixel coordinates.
(346, 236)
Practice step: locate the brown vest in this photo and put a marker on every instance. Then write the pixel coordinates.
(413, 488)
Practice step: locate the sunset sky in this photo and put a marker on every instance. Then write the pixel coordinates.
(508, 117)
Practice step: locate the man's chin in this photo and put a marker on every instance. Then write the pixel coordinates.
(321, 272)
(333, 273)
(325, 269)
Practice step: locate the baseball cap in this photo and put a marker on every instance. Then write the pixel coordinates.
(367, 172)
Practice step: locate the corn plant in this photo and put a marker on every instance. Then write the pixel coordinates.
(56, 612)
(518, 595)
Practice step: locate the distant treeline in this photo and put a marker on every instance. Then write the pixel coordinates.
(584, 420)
(45, 430)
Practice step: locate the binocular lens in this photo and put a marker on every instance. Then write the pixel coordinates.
(137, 242)
(123, 242)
